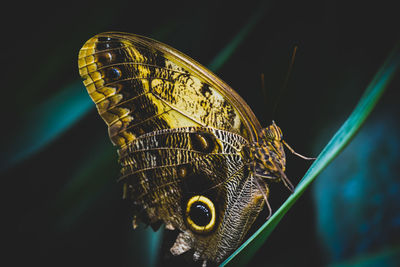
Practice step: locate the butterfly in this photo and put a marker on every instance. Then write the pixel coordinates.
(193, 154)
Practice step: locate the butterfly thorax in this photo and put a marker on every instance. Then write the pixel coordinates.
(267, 156)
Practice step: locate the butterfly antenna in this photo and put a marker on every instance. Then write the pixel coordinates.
(285, 83)
(263, 89)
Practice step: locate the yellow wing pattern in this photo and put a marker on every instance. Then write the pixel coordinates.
(140, 85)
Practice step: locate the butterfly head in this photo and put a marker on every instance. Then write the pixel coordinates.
(272, 132)
(268, 155)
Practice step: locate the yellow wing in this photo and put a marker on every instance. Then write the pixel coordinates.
(140, 85)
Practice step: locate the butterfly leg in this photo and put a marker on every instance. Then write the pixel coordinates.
(295, 153)
(265, 193)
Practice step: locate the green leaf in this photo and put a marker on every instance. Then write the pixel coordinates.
(338, 142)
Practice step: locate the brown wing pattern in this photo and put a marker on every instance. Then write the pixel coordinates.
(164, 169)
(158, 163)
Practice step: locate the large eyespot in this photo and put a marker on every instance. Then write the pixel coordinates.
(200, 214)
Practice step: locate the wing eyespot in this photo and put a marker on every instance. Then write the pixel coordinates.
(200, 214)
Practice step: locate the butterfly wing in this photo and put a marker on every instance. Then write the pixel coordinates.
(180, 131)
(140, 85)
(176, 174)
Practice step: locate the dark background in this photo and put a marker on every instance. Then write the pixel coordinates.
(61, 204)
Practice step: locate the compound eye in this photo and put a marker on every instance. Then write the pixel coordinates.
(200, 214)
(270, 133)
(273, 132)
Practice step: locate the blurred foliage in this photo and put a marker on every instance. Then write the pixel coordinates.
(62, 205)
(357, 198)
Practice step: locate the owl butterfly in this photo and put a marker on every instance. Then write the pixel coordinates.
(193, 154)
